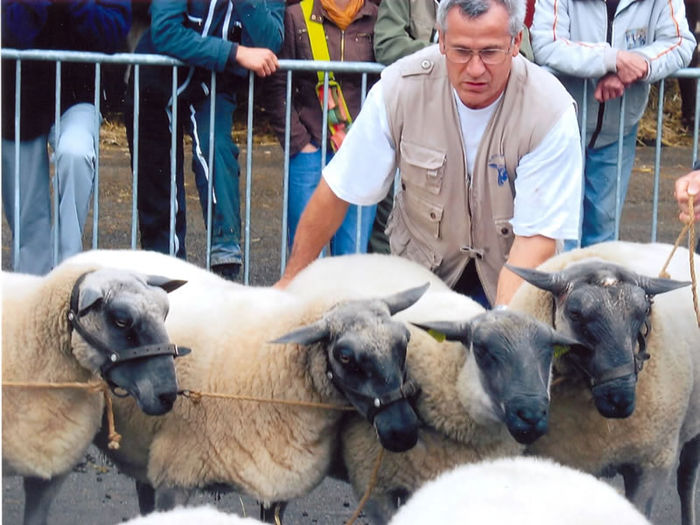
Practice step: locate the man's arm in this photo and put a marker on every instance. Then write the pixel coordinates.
(526, 252)
(322, 217)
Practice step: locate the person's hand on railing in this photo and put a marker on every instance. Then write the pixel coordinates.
(631, 67)
(309, 148)
(688, 184)
(260, 60)
(609, 87)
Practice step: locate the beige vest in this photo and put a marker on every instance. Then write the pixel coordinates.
(439, 219)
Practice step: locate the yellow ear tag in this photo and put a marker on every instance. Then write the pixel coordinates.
(438, 336)
(560, 350)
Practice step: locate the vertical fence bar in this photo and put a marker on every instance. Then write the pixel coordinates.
(584, 142)
(358, 230)
(135, 156)
(657, 162)
(618, 190)
(324, 134)
(210, 179)
(96, 185)
(16, 216)
(285, 182)
(56, 182)
(248, 175)
(173, 166)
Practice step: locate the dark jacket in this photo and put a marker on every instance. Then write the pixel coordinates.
(186, 30)
(80, 25)
(353, 44)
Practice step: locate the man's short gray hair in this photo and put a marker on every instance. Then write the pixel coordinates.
(476, 8)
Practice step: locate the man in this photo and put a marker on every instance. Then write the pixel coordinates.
(231, 38)
(99, 26)
(617, 47)
(470, 124)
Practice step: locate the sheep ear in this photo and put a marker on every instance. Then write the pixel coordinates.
(165, 283)
(450, 330)
(552, 282)
(89, 295)
(403, 300)
(305, 335)
(655, 285)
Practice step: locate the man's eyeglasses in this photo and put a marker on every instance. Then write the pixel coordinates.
(490, 56)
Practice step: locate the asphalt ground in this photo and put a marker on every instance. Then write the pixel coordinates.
(96, 493)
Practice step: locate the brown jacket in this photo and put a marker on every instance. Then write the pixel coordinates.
(439, 219)
(353, 44)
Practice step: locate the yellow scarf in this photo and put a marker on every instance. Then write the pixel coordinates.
(342, 17)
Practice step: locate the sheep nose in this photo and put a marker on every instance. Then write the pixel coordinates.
(532, 415)
(167, 399)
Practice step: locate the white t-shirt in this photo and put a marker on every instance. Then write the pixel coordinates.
(548, 183)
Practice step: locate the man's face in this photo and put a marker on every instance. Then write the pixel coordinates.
(479, 84)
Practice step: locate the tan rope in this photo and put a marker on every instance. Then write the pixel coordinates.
(196, 397)
(113, 437)
(370, 487)
(690, 228)
(691, 256)
(663, 273)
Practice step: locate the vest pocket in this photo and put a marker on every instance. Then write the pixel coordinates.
(404, 243)
(422, 167)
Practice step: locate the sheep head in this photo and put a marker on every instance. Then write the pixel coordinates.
(606, 307)
(508, 369)
(116, 313)
(366, 352)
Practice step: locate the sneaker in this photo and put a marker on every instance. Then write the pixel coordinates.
(227, 270)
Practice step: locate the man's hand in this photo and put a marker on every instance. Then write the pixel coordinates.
(609, 87)
(631, 67)
(309, 148)
(688, 185)
(258, 59)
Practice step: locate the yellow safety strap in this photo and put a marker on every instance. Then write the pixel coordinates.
(317, 37)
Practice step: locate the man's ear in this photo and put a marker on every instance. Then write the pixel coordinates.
(516, 43)
(441, 41)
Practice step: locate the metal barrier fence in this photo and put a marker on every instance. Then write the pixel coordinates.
(290, 66)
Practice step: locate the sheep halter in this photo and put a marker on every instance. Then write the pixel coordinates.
(114, 358)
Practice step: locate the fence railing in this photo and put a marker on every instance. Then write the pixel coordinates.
(291, 67)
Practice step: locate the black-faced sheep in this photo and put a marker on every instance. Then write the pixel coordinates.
(492, 380)
(527, 491)
(602, 295)
(327, 351)
(73, 326)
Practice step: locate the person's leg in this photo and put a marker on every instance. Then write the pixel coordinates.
(226, 255)
(600, 188)
(75, 154)
(34, 205)
(344, 240)
(154, 167)
(304, 176)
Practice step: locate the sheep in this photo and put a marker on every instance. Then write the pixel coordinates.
(527, 491)
(205, 515)
(498, 369)
(47, 431)
(653, 415)
(274, 453)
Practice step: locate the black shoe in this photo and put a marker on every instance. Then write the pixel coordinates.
(227, 270)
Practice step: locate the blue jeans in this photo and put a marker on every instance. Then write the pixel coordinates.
(600, 189)
(304, 176)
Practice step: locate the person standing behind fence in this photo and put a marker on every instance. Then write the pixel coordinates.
(231, 38)
(339, 30)
(71, 25)
(615, 48)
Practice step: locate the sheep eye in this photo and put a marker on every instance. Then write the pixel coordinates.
(345, 359)
(121, 319)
